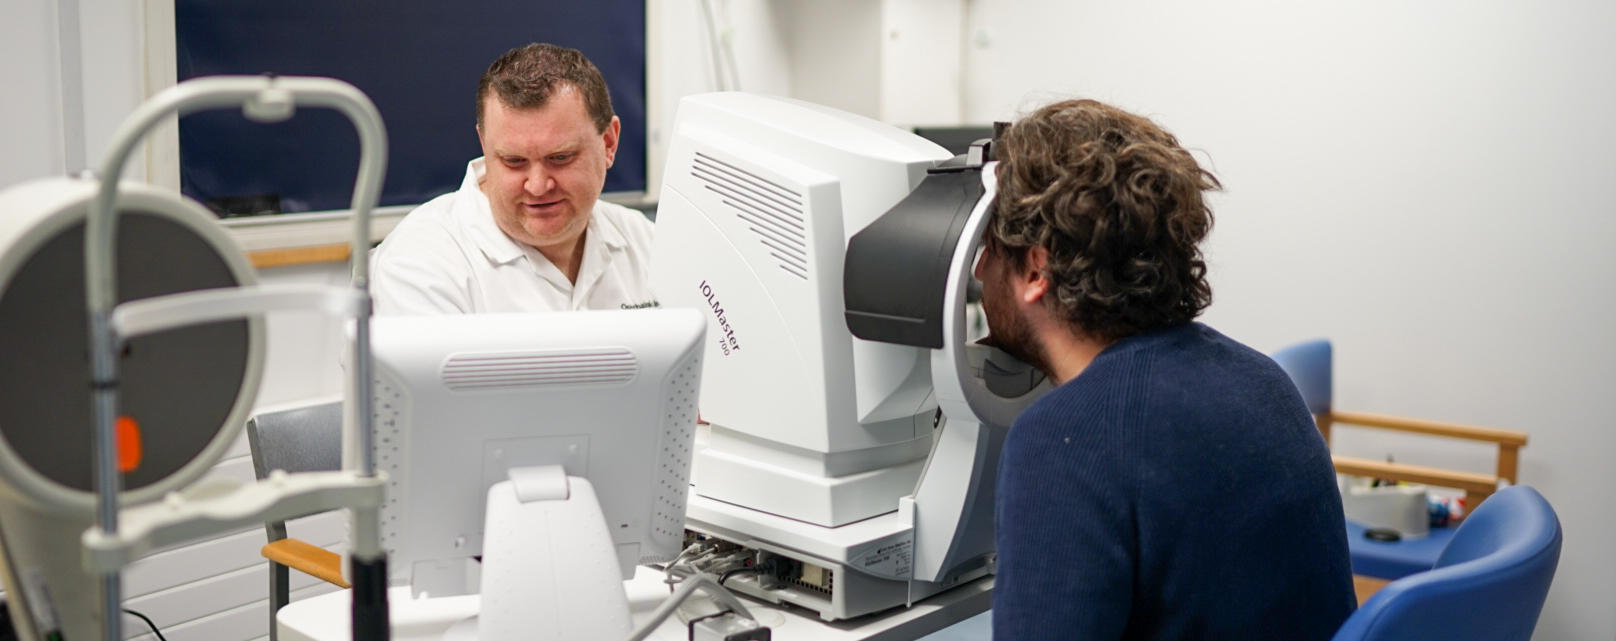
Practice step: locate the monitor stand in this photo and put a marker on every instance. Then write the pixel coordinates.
(549, 566)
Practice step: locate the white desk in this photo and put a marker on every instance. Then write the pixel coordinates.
(325, 617)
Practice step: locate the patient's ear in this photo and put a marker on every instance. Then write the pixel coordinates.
(1032, 279)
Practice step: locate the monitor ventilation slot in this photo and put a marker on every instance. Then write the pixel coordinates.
(592, 367)
(673, 479)
(391, 445)
(772, 211)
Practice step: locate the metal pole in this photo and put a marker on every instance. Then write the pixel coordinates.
(265, 99)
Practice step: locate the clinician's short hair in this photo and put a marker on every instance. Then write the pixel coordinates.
(1118, 205)
(526, 77)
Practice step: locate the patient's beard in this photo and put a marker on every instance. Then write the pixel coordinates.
(1009, 330)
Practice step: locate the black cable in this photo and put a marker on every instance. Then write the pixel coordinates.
(149, 623)
(7, 632)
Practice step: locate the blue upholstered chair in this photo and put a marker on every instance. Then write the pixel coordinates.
(1310, 367)
(1488, 584)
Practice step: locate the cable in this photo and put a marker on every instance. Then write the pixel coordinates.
(720, 79)
(726, 43)
(725, 576)
(149, 623)
(688, 587)
(667, 570)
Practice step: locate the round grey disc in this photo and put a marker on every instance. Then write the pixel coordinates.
(180, 385)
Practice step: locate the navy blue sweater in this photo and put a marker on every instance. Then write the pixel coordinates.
(1176, 489)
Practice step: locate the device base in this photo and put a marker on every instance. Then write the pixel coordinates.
(839, 573)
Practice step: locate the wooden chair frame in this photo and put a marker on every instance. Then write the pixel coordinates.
(1477, 487)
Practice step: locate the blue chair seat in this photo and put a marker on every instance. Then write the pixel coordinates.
(1395, 560)
(1488, 584)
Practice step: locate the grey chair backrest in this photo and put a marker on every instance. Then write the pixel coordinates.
(301, 439)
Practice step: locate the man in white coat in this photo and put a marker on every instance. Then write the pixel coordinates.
(527, 230)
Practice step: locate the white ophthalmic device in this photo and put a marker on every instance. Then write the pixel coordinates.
(855, 432)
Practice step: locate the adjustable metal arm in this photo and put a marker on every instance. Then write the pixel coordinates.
(264, 99)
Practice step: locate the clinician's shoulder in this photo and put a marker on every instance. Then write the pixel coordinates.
(432, 232)
(424, 224)
(631, 223)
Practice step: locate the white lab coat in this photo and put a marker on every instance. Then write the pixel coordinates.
(448, 256)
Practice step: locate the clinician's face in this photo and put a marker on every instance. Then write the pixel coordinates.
(1008, 327)
(545, 167)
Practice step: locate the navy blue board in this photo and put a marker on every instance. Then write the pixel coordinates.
(418, 61)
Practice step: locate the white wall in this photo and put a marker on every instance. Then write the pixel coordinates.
(684, 61)
(1428, 184)
(60, 110)
(835, 50)
(893, 60)
(31, 116)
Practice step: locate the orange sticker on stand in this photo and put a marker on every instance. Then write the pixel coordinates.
(129, 448)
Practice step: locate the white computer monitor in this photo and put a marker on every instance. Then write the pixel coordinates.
(461, 400)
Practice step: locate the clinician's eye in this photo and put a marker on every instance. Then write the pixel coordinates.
(561, 158)
(514, 162)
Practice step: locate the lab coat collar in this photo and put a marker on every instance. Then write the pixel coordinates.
(602, 226)
(601, 242)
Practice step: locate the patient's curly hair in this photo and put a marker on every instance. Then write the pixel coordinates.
(1118, 204)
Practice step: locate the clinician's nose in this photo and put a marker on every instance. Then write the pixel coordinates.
(538, 181)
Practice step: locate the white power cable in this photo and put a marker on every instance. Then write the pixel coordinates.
(688, 587)
(723, 54)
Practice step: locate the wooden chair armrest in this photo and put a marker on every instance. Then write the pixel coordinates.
(308, 559)
(1478, 484)
(1508, 438)
(333, 253)
(1367, 586)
